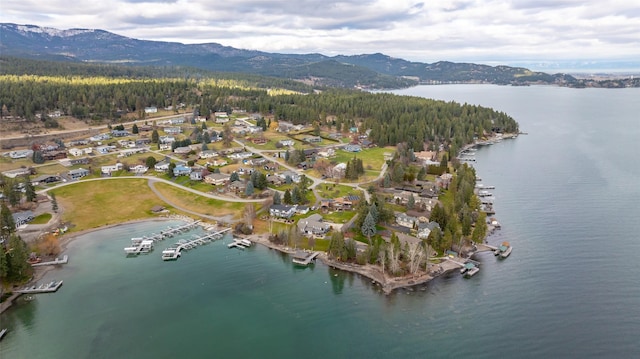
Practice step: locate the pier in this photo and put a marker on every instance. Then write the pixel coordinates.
(173, 253)
(304, 258)
(43, 288)
(240, 243)
(142, 246)
(63, 260)
(145, 243)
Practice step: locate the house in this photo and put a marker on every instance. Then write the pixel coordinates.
(78, 173)
(237, 186)
(43, 179)
(105, 149)
(302, 209)
(240, 155)
(182, 150)
(54, 155)
(208, 154)
(196, 175)
(284, 126)
(181, 170)
(17, 172)
(176, 121)
(352, 148)
(328, 153)
(75, 161)
(294, 176)
(282, 210)
(217, 179)
(287, 142)
(274, 179)
(100, 137)
(313, 226)
(150, 109)
(312, 139)
(21, 154)
(217, 163)
(139, 169)
(172, 130)
(162, 166)
(119, 133)
(425, 228)
(22, 218)
(106, 170)
(221, 117)
(166, 139)
(404, 220)
(80, 151)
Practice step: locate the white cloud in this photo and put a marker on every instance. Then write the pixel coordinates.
(456, 30)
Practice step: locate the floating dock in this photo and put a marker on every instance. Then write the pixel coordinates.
(43, 288)
(173, 253)
(63, 260)
(143, 246)
(240, 244)
(304, 258)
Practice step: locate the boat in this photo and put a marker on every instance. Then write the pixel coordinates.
(171, 254)
(471, 272)
(506, 253)
(467, 267)
(3, 332)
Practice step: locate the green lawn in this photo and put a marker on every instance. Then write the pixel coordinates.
(200, 204)
(43, 218)
(339, 216)
(98, 203)
(372, 158)
(331, 190)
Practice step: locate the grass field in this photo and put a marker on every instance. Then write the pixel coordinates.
(327, 190)
(200, 204)
(372, 158)
(98, 203)
(42, 219)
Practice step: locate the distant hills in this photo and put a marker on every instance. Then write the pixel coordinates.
(367, 71)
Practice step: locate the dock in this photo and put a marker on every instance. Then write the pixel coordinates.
(174, 252)
(63, 260)
(240, 243)
(304, 258)
(43, 288)
(143, 246)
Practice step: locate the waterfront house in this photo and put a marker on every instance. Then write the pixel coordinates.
(217, 179)
(138, 169)
(44, 179)
(22, 218)
(404, 220)
(196, 175)
(313, 226)
(78, 173)
(282, 210)
(425, 228)
(162, 166)
(106, 170)
(181, 170)
(208, 154)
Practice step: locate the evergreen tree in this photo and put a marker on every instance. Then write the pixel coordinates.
(37, 157)
(150, 162)
(287, 197)
(368, 226)
(387, 181)
(234, 177)
(134, 129)
(18, 269)
(249, 189)
(296, 197)
(411, 203)
(54, 202)
(30, 191)
(155, 137)
(7, 224)
(277, 199)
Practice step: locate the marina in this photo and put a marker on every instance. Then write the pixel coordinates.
(50, 287)
(174, 252)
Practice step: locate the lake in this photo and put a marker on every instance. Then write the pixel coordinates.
(567, 196)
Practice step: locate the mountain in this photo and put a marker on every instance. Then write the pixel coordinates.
(369, 70)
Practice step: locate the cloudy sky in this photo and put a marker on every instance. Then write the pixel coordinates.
(483, 31)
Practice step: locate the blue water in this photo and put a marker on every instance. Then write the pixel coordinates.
(567, 196)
